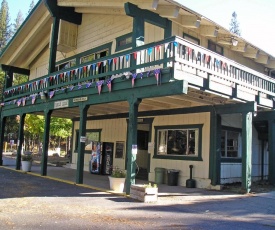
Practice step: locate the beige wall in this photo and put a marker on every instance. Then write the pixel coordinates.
(200, 170)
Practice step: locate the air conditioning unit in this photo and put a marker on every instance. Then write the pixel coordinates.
(67, 37)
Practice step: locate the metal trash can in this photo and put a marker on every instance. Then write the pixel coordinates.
(173, 176)
(159, 175)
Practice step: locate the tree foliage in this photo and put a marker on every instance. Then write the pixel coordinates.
(31, 7)
(5, 27)
(18, 21)
(234, 25)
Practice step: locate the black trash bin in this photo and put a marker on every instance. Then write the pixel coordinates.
(173, 176)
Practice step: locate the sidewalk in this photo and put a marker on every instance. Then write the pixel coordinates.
(167, 194)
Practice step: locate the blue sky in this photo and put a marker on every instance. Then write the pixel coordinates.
(256, 17)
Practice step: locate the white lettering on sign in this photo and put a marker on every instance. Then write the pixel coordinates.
(61, 104)
(82, 139)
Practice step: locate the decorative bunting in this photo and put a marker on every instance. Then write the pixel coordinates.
(71, 88)
(23, 101)
(109, 85)
(175, 44)
(19, 102)
(121, 59)
(33, 98)
(134, 76)
(127, 57)
(149, 51)
(198, 56)
(115, 60)
(2, 104)
(88, 85)
(99, 85)
(51, 94)
(135, 55)
(157, 75)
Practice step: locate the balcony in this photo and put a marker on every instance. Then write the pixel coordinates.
(166, 61)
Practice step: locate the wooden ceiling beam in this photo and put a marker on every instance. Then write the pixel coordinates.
(262, 58)
(251, 52)
(190, 21)
(209, 31)
(168, 11)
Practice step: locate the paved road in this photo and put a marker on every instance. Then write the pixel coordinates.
(32, 202)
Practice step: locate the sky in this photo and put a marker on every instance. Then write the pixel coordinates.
(256, 17)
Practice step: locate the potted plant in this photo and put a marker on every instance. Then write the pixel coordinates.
(26, 162)
(144, 192)
(117, 180)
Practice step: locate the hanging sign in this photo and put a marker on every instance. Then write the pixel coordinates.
(78, 99)
(82, 139)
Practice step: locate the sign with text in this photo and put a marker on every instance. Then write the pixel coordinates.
(61, 104)
(79, 99)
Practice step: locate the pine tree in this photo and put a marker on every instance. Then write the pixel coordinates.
(31, 7)
(234, 25)
(18, 21)
(5, 31)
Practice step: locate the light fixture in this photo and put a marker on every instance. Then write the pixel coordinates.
(234, 41)
(43, 96)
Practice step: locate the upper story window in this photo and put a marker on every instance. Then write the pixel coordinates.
(124, 42)
(65, 65)
(231, 143)
(214, 47)
(178, 141)
(191, 38)
(94, 56)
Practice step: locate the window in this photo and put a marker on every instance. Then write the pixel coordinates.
(91, 135)
(178, 141)
(66, 65)
(94, 56)
(191, 38)
(231, 143)
(214, 47)
(124, 42)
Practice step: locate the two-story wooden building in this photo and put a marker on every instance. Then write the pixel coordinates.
(147, 73)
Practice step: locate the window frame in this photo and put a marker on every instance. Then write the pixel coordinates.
(216, 45)
(127, 45)
(232, 159)
(185, 35)
(179, 157)
(87, 131)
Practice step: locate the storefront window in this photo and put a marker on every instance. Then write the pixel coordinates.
(91, 135)
(230, 144)
(178, 141)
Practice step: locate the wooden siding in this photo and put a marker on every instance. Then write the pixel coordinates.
(200, 170)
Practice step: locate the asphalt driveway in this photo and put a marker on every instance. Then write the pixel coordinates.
(34, 202)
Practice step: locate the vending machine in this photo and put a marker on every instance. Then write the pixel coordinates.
(101, 157)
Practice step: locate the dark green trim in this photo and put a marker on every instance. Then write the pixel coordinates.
(229, 128)
(131, 141)
(126, 46)
(65, 13)
(15, 69)
(53, 44)
(21, 140)
(271, 148)
(2, 132)
(81, 145)
(215, 148)
(192, 37)
(231, 160)
(236, 108)
(46, 138)
(176, 157)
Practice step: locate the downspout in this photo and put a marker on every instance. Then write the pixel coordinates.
(262, 167)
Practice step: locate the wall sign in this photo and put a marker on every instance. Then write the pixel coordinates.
(119, 149)
(79, 99)
(61, 104)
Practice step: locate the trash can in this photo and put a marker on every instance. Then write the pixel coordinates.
(159, 175)
(173, 176)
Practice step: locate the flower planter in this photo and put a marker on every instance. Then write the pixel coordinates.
(144, 193)
(26, 166)
(117, 184)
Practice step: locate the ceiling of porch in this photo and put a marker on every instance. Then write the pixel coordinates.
(193, 98)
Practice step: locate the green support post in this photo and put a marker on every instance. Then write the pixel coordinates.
(81, 144)
(53, 48)
(246, 151)
(2, 131)
(45, 147)
(215, 148)
(131, 142)
(271, 151)
(21, 140)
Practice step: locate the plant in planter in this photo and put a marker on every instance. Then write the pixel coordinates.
(117, 180)
(26, 162)
(144, 192)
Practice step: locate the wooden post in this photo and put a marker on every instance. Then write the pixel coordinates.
(215, 148)
(2, 131)
(53, 48)
(131, 142)
(246, 151)
(81, 145)
(20, 140)
(271, 151)
(47, 114)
